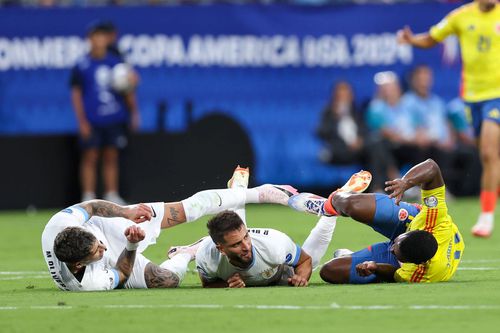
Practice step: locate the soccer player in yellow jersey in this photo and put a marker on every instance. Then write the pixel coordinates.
(477, 26)
(424, 244)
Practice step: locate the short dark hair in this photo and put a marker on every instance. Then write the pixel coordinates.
(418, 246)
(222, 223)
(73, 244)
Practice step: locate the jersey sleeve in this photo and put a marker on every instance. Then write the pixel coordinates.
(71, 216)
(434, 207)
(203, 260)
(283, 248)
(101, 278)
(445, 28)
(75, 78)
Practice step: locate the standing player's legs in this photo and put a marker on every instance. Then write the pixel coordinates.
(114, 138)
(88, 164)
(489, 149)
(380, 213)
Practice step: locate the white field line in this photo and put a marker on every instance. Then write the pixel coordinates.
(482, 261)
(25, 273)
(331, 307)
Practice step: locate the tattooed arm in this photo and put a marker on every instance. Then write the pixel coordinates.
(158, 277)
(174, 215)
(137, 213)
(125, 263)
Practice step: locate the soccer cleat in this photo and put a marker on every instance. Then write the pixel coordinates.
(190, 249)
(239, 178)
(308, 203)
(483, 227)
(358, 182)
(277, 194)
(339, 253)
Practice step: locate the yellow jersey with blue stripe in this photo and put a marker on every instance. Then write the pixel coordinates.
(434, 218)
(479, 36)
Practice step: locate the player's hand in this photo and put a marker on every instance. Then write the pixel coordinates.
(297, 281)
(138, 213)
(366, 268)
(85, 130)
(396, 188)
(235, 281)
(135, 121)
(134, 234)
(405, 35)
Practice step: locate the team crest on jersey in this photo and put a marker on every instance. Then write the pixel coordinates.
(268, 273)
(495, 114)
(431, 201)
(288, 257)
(403, 214)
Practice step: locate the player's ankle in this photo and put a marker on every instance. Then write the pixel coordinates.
(328, 206)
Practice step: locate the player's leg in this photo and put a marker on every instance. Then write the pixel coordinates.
(489, 149)
(88, 166)
(343, 269)
(114, 138)
(319, 239)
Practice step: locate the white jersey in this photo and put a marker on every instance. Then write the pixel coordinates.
(274, 256)
(99, 275)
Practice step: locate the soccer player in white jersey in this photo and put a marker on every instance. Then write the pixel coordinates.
(235, 257)
(96, 245)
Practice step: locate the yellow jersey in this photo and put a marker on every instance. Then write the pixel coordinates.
(479, 37)
(434, 218)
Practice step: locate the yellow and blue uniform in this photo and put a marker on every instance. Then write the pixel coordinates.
(434, 218)
(479, 36)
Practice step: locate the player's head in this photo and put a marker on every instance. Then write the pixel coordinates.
(417, 247)
(230, 234)
(98, 34)
(487, 4)
(76, 245)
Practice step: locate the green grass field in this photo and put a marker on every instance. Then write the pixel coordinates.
(30, 302)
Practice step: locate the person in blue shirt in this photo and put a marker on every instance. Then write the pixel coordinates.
(102, 114)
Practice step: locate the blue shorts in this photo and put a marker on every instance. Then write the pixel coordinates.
(391, 221)
(106, 136)
(481, 111)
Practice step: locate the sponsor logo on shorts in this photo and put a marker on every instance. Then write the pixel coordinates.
(495, 114)
(431, 201)
(403, 214)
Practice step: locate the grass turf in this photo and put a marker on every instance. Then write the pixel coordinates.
(30, 302)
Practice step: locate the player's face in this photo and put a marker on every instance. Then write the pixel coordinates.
(96, 253)
(238, 247)
(99, 41)
(395, 248)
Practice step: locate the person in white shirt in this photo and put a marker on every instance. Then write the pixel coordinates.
(236, 257)
(96, 245)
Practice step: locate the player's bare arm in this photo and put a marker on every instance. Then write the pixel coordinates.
(158, 277)
(125, 263)
(303, 271)
(136, 213)
(423, 40)
(174, 215)
(426, 174)
(77, 101)
(384, 272)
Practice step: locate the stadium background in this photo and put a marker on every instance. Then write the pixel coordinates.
(221, 84)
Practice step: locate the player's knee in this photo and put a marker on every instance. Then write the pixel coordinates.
(344, 203)
(488, 154)
(334, 272)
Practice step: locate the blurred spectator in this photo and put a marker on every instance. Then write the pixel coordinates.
(101, 114)
(341, 128)
(394, 137)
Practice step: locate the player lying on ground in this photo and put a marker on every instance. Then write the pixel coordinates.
(425, 245)
(96, 245)
(236, 257)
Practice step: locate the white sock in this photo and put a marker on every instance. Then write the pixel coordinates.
(252, 195)
(486, 218)
(178, 264)
(213, 202)
(319, 239)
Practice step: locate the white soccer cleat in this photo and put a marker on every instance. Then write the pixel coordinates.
(308, 203)
(484, 226)
(358, 182)
(240, 178)
(340, 253)
(276, 194)
(189, 249)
